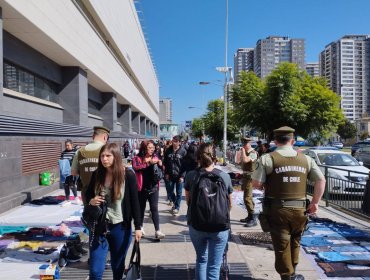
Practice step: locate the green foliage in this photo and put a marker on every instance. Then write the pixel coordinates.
(347, 130)
(197, 128)
(214, 120)
(288, 96)
(364, 135)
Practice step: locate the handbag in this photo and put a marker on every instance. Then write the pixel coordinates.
(133, 271)
(157, 173)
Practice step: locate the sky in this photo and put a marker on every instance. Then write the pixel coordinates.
(187, 38)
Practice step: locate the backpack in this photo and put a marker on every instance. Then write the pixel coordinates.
(209, 204)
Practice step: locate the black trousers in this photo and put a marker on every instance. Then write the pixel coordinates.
(144, 196)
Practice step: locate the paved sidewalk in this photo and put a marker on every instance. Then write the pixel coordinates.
(174, 256)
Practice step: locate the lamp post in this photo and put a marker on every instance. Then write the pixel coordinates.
(226, 70)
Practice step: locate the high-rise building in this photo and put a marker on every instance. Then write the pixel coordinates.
(345, 64)
(312, 68)
(165, 110)
(243, 61)
(273, 50)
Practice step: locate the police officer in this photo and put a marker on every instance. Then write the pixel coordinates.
(248, 160)
(86, 160)
(283, 174)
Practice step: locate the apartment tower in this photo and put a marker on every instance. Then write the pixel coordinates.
(345, 64)
(273, 50)
(243, 61)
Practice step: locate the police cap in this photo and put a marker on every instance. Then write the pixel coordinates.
(284, 131)
(246, 140)
(101, 129)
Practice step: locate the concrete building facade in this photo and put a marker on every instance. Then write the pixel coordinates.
(313, 69)
(68, 65)
(274, 50)
(345, 64)
(243, 61)
(165, 110)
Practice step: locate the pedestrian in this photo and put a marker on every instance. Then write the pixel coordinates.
(174, 172)
(86, 160)
(167, 183)
(209, 241)
(248, 158)
(283, 174)
(148, 186)
(190, 160)
(70, 181)
(116, 187)
(126, 149)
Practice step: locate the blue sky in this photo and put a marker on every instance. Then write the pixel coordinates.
(187, 38)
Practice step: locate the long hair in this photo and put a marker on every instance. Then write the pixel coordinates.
(143, 147)
(118, 171)
(205, 155)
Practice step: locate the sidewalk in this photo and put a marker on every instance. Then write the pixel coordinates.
(174, 257)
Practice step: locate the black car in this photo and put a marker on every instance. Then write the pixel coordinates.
(358, 145)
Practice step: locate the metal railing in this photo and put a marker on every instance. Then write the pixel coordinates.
(350, 195)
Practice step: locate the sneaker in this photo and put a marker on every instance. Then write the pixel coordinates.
(251, 222)
(297, 277)
(77, 201)
(72, 255)
(65, 203)
(175, 212)
(159, 235)
(170, 203)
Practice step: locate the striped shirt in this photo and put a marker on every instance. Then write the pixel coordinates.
(68, 155)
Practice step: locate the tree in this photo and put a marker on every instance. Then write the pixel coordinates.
(288, 96)
(214, 120)
(364, 135)
(347, 130)
(197, 128)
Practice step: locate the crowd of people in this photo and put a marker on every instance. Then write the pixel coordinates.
(121, 180)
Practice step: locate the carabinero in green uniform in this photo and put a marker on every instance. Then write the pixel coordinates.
(283, 174)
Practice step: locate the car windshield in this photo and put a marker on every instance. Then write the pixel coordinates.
(337, 159)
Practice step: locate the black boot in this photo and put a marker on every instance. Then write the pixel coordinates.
(244, 220)
(251, 221)
(297, 277)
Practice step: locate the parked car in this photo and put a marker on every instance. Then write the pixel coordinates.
(338, 145)
(358, 145)
(363, 154)
(348, 176)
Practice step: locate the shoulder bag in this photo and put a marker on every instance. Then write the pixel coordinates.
(133, 271)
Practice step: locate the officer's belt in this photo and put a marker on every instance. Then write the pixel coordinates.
(279, 203)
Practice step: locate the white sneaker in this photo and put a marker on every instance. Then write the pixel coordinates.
(77, 201)
(175, 212)
(65, 203)
(159, 235)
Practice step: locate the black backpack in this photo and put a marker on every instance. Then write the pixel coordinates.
(209, 204)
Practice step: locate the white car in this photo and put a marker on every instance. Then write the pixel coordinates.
(348, 176)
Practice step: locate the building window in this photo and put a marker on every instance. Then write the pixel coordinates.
(20, 80)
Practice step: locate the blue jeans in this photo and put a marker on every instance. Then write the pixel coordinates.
(168, 189)
(118, 240)
(176, 198)
(209, 247)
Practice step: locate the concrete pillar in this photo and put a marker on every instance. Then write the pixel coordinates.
(148, 132)
(135, 117)
(142, 125)
(74, 96)
(1, 62)
(125, 118)
(108, 110)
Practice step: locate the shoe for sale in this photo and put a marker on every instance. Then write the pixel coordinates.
(159, 235)
(77, 201)
(73, 255)
(62, 262)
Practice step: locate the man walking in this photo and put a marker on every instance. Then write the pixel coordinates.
(174, 172)
(283, 174)
(86, 160)
(248, 158)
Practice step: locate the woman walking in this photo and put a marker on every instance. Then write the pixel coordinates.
(144, 165)
(116, 187)
(209, 241)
